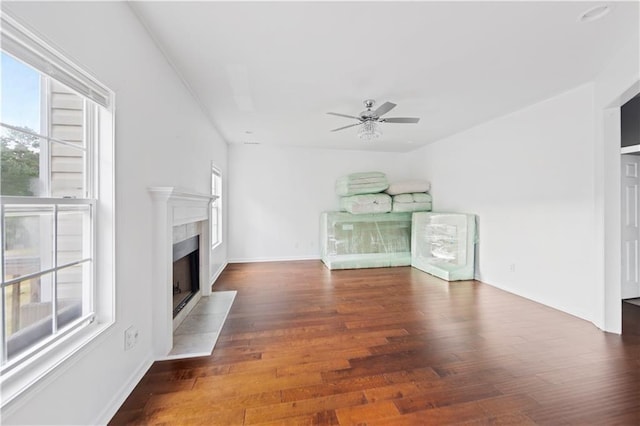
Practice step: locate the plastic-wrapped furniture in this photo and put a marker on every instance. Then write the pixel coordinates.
(365, 240)
(443, 244)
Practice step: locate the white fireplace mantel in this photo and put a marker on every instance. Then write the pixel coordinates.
(173, 207)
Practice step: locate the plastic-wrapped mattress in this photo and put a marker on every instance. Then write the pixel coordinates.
(412, 202)
(443, 244)
(361, 183)
(366, 203)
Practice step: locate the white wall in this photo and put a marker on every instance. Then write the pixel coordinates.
(529, 178)
(276, 195)
(163, 139)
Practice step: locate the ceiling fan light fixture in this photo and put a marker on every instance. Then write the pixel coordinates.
(368, 121)
(369, 130)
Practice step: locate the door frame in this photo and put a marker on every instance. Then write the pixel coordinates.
(608, 211)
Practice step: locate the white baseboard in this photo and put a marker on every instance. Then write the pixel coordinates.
(571, 310)
(273, 259)
(116, 402)
(216, 275)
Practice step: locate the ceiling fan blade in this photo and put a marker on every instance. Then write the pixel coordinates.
(384, 108)
(400, 120)
(344, 115)
(345, 127)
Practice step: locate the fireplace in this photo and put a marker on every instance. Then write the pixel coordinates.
(178, 216)
(186, 272)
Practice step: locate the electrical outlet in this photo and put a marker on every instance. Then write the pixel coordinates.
(130, 338)
(512, 267)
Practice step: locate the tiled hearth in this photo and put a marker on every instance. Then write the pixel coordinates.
(198, 333)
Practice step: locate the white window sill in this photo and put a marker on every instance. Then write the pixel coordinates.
(46, 366)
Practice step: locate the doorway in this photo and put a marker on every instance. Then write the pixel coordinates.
(630, 215)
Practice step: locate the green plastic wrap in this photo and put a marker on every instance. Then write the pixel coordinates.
(443, 244)
(361, 183)
(411, 207)
(365, 240)
(366, 203)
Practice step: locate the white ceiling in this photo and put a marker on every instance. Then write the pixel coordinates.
(268, 72)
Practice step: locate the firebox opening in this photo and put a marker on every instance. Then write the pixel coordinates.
(186, 271)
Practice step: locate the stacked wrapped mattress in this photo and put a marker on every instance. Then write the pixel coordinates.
(366, 203)
(413, 202)
(361, 183)
(361, 193)
(373, 227)
(410, 196)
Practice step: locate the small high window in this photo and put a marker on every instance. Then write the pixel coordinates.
(216, 207)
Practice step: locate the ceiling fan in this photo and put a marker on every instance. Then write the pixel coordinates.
(369, 119)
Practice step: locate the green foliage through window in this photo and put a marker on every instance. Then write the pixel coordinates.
(19, 163)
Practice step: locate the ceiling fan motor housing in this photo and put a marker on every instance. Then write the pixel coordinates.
(368, 114)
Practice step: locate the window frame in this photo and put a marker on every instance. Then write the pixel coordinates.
(216, 207)
(58, 332)
(27, 371)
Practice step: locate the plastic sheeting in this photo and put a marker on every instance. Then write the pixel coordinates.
(365, 240)
(443, 244)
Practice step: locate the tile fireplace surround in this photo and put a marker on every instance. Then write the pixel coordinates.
(178, 215)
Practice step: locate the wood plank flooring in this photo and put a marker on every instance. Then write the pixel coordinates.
(392, 346)
(631, 317)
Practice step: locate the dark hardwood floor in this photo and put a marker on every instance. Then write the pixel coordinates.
(390, 346)
(631, 317)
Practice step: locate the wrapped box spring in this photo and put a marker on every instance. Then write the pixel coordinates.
(365, 241)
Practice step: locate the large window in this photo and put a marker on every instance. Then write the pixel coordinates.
(216, 207)
(55, 124)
